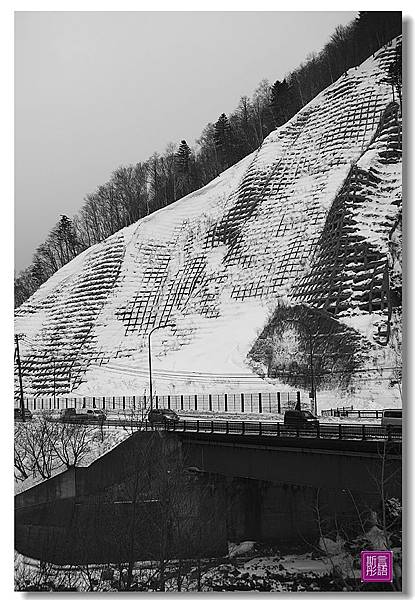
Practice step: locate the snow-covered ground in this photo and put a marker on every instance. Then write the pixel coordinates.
(328, 566)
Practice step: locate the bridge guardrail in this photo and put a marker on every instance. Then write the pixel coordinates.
(337, 431)
(322, 431)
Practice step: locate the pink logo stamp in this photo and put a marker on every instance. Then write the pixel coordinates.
(376, 566)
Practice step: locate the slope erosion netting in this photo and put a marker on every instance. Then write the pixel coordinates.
(306, 218)
(349, 271)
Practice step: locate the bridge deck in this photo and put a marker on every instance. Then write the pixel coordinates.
(276, 433)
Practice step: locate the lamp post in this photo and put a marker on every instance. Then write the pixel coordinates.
(149, 360)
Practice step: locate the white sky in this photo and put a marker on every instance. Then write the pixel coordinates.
(94, 90)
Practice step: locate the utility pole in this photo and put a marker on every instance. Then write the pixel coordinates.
(311, 338)
(310, 341)
(19, 368)
(313, 391)
(54, 381)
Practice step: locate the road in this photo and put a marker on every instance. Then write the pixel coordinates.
(338, 431)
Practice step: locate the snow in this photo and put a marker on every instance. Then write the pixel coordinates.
(331, 547)
(215, 258)
(240, 549)
(216, 263)
(377, 538)
(224, 348)
(290, 572)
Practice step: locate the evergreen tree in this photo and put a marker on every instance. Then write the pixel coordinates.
(183, 158)
(224, 141)
(67, 238)
(278, 102)
(395, 74)
(25, 284)
(184, 169)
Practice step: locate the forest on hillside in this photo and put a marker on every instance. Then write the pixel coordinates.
(135, 191)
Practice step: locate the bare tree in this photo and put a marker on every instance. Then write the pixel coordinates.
(43, 577)
(42, 445)
(71, 442)
(134, 418)
(35, 442)
(20, 468)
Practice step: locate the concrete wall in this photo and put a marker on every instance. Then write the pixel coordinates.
(121, 508)
(59, 487)
(114, 466)
(313, 467)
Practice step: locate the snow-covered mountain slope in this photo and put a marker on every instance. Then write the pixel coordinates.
(311, 217)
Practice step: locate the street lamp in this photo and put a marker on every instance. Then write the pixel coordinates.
(149, 360)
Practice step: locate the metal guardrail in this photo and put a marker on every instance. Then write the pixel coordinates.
(346, 412)
(336, 412)
(320, 431)
(335, 431)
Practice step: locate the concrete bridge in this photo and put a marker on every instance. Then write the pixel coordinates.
(356, 465)
(220, 487)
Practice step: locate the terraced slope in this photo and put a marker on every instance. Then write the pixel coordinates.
(311, 217)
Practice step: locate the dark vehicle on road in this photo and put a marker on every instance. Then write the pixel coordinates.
(91, 415)
(159, 416)
(18, 414)
(67, 414)
(300, 418)
(392, 418)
